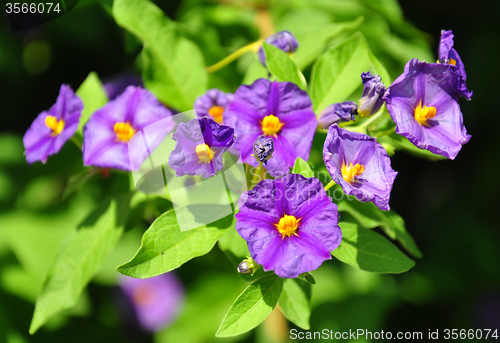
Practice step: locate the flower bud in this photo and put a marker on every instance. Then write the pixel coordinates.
(263, 148)
(284, 40)
(340, 111)
(373, 91)
(247, 266)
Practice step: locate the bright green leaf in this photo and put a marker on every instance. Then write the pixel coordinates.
(282, 66)
(301, 167)
(78, 260)
(252, 306)
(367, 250)
(295, 302)
(164, 247)
(336, 73)
(93, 97)
(174, 69)
(370, 216)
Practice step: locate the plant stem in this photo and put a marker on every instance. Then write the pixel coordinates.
(224, 62)
(256, 174)
(330, 185)
(77, 141)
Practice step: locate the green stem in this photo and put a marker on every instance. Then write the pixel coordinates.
(224, 62)
(330, 185)
(387, 132)
(256, 174)
(226, 184)
(77, 141)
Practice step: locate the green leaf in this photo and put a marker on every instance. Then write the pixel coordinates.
(301, 167)
(369, 217)
(367, 250)
(252, 306)
(164, 247)
(93, 97)
(78, 260)
(336, 73)
(174, 69)
(255, 71)
(295, 302)
(282, 66)
(402, 143)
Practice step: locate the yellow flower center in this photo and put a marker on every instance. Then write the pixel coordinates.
(216, 112)
(422, 114)
(287, 226)
(350, 172)
(204, 153)
(55, 125)
(124, 131)
(271, 125)
(452, 62)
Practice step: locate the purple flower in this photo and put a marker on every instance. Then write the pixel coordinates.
(289, 223)
(118, 84)
(51, 129)
(199, 147)
(359, 164)
(263, 148)
(109, 130)
(423, 105)
(373, 91)
(335, 113)
(157, 301)
(279, 110)
(285, 40)
(212, 104)
(450, 56)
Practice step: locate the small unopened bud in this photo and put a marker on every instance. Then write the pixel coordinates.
(335, 113)
(308, 277)
(247, 266)
(373, 91)
(284, 40)
(263, 148)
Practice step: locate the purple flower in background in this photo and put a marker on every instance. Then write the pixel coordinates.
(157, 301)
(109, 130)
(335, 113)
(373, 91)
(263, 148)
(199, 146)
(116, 85)
(285, 40)
(424, 108)
(359, 164)
(279, 110)
(450, 56)
(212, 104)
(289, 223)
(51, 129)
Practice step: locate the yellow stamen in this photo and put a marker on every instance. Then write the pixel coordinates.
(271, 125)
(350, 172)
(205, 154)
(143, 295)
(55, 125)
(287, 226)
(422, 114)
(216, 112)
(124, 131)
(452, 62)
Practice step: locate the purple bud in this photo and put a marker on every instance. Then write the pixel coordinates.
(285, 40)
(373, 91)
(247, 266)
(340, 111)
(263, 148)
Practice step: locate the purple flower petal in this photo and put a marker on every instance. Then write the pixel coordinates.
(316, 235)
(40, 140)
(431, 85)
(212, 104)
(343, 148)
